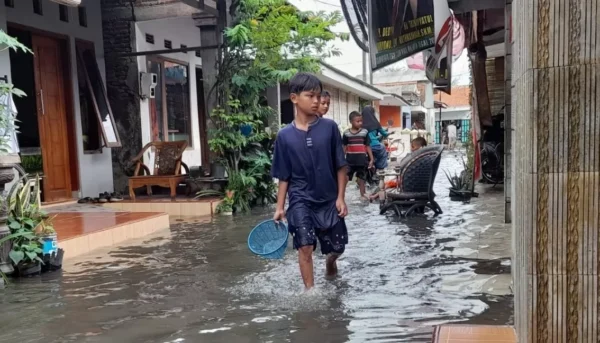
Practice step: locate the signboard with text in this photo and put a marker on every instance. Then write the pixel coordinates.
(399, 29)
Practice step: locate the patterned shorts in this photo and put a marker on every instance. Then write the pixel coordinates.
(332, 240)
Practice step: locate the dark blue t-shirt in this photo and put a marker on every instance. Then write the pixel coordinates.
(309, 161)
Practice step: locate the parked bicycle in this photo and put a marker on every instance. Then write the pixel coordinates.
(492, 151)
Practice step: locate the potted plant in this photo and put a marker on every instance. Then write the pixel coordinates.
(7, 157)
(226, 206)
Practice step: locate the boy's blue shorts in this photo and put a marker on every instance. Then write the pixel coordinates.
(332, 240)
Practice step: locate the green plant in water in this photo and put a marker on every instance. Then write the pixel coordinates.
(26, 222)
(227, 203)
(459, 182)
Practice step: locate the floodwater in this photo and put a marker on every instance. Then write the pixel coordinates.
(199, 283)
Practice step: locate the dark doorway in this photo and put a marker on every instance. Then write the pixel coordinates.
(21, 64)
(287, 112)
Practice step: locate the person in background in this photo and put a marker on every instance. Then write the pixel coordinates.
(373, 127)
(308, 161)
(415, 145)
(357, 148)
(324, 104)
(451, 129)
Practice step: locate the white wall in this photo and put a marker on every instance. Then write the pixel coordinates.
(95, 170)
(178, 31)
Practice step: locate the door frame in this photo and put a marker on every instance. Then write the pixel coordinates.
(67, 63)
(202, 120)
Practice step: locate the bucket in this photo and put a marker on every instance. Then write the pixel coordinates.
(49, 244)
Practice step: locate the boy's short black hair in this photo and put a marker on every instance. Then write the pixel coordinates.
(422, 142)
(325, 94)
(305, 82)
(353, 115)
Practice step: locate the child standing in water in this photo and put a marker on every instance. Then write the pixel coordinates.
(324, 104)
(357, 147)
(309, 163)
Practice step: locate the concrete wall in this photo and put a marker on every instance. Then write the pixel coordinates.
(94, 169)
(179, 31)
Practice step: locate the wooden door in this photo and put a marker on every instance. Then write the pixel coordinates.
(52, 118)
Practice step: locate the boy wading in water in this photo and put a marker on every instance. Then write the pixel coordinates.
(357, 147)
(309, 163)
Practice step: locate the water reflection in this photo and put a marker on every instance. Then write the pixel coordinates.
(198, 283)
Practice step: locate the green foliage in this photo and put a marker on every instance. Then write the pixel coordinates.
(33, 164)
(27, 223)
(269, 43)
(7, 126)
(462, 181)
(227, 138)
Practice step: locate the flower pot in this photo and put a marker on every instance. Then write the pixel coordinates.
(53, 262)
(217, 170)
(7, 175)
(29, 269)
(49, 244)
(464, 196)
(227, 213)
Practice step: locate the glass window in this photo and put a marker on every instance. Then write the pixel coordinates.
(95, 100)
(170, 116)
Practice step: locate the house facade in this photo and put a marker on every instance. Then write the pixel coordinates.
(61, 134)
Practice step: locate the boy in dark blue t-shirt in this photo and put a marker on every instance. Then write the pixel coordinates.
(309, 163)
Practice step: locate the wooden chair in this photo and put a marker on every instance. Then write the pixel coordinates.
(167, 168)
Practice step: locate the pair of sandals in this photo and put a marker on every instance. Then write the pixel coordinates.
(102, 198)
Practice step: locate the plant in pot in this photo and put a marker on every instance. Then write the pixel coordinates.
(460, 185)
(226, 205)
(34, 231)
(7, 157)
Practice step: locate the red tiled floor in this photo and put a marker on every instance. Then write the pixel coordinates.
(474, 333)
(73, 224)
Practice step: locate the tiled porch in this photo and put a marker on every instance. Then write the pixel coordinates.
(181, 206)
(81, 232)
(474, 334)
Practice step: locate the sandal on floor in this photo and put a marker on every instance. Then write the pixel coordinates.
(85, 200)
(103, 197)
(115, 197)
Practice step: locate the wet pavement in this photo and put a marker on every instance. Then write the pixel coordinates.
(199, 283)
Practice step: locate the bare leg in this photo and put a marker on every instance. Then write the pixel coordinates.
(363, 191)
(331, 269)
(306, 266)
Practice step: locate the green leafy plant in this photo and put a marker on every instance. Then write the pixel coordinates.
(226, 205)
(227, 138)
(27, 222)
(459, 182)
(33, 164)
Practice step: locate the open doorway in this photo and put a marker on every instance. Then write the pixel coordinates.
(45, 117)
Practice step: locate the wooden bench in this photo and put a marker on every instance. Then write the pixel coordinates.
(167, 168)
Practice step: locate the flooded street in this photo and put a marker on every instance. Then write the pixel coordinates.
(199, 282)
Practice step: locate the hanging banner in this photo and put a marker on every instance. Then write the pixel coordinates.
(439, 62)
(399, 29)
